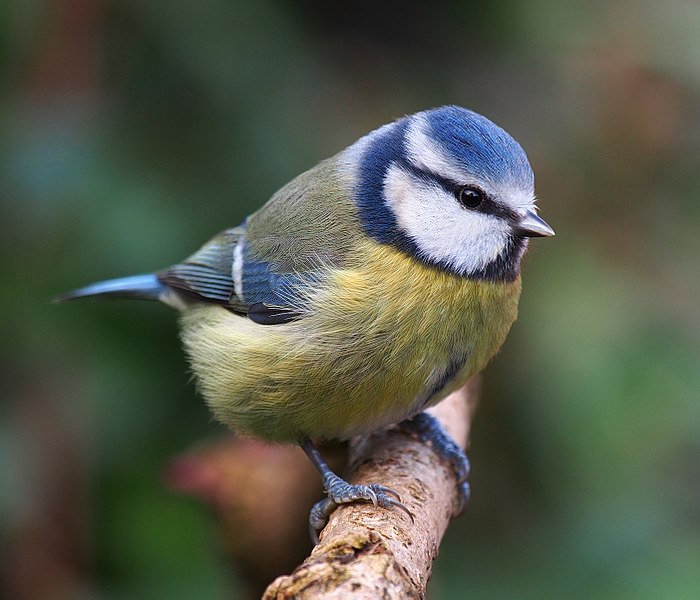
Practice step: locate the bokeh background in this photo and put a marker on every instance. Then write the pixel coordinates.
(132, 131)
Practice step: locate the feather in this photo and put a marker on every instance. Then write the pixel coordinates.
(143, 287)
(380, 338)
(271, 315)
(206, 276)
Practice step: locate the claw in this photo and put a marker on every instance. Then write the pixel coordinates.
(372, 496)
(394, 503)
(385, 490)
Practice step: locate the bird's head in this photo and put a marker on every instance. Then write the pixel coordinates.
(452, 189)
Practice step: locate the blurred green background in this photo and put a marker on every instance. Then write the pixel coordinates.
(132, 131)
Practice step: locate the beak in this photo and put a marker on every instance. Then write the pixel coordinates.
(531, 225)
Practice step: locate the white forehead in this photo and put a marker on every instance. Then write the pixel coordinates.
(425, 153)
(443, 230)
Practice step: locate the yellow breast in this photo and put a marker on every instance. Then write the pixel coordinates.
(381, 339)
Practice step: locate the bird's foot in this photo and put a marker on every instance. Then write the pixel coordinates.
(341, 492)
(429, 430)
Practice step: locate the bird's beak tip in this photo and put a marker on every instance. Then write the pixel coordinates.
(532, 225)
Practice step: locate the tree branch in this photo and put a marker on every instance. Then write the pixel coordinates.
(368, 552)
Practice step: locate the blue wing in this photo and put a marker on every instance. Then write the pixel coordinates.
(262, 267)
(222, 273)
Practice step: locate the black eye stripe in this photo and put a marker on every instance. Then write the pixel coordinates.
(489, 206)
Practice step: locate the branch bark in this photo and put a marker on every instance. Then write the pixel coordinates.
(368, 552)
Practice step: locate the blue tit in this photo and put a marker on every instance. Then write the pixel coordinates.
(364, 291)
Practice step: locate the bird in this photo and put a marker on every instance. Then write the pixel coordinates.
(364, 291)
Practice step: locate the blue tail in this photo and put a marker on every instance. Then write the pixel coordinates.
(143, 287)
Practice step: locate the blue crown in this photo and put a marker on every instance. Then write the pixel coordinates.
(479, 146)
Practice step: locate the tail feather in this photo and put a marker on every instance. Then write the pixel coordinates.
(143, 287)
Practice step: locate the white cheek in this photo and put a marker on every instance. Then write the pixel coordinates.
(442, 229)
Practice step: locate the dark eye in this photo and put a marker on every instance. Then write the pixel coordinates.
(470, 197)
